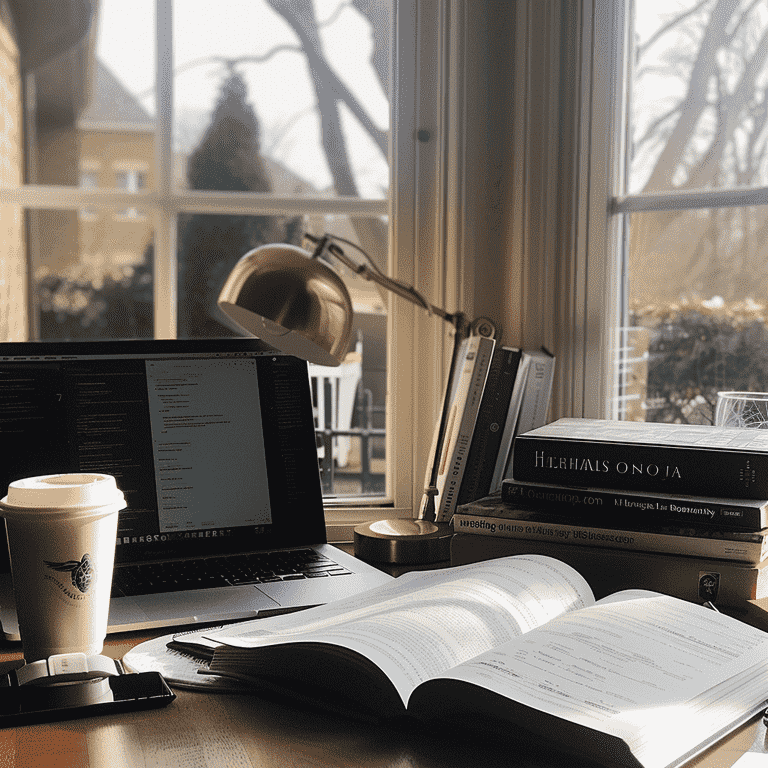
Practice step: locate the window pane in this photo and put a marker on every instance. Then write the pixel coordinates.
(699, 311)
(262, 103)
(92, 277)
(349, 400)
(697, 279)
(270, 105)
(352, 398)
(101, 124)
(698, 95)
(308, 90)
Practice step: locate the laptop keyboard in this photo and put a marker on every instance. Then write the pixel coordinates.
(232, 570)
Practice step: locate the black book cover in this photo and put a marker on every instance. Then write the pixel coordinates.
(615, 504)
(489, 427)
(697, 460)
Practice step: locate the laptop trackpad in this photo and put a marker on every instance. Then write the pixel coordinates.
(306, 592)
(205, 602)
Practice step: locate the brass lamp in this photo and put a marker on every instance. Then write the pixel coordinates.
(296, 303)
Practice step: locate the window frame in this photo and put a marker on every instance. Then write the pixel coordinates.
(163, 203)
(460, 209)
(616, 35)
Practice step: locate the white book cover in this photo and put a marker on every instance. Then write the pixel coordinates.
(461, 359)
(535, 401)
(461, 423)
(510, 425)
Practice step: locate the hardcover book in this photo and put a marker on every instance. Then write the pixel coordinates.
(460, 426)
(517, 646)
(489, 427)
(463, 383)
(727, 583)
(621, 507)
(691, 459)
(493, 517)
(528, 407)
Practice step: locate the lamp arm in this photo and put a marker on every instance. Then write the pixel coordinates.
(481, 326)
(396, 287)
(403, 290)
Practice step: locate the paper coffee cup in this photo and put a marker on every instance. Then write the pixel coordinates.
(61, 537)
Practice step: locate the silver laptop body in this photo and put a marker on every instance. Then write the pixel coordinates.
(212, 441)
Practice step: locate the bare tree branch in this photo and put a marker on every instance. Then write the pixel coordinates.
(651, 132)
(301, 16)
(330, 91)
(227, 62)
(379, 15)
(695, 100)
(730, 108)
(641, 50)
(334, 15)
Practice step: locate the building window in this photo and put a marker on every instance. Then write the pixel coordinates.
(215, 134)
(88, 180)
(130, 181)
(692, 207)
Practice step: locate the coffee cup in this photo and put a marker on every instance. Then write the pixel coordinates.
(61, 538)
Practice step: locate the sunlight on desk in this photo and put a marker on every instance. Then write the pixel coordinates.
(232, 731)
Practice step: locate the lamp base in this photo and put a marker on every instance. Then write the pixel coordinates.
(403, 542)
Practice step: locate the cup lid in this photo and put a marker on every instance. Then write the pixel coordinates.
(76, 491)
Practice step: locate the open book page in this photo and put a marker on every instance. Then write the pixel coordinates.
(660, 673)
(423, 625)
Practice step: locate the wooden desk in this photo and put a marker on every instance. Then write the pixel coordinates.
(213, 730)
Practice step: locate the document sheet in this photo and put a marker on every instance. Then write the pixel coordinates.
(624, 667)
(426, 623)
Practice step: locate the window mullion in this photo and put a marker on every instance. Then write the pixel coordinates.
(165, 266)
(690, 200)
(50, 197)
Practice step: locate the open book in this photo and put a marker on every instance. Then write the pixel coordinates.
(638, 679)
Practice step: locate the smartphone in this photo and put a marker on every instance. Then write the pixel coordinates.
(24, 705)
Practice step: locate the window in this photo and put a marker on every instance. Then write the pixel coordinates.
(691, 207)
(473, 170)
(178, 152)
(131, 180)
(88, 180)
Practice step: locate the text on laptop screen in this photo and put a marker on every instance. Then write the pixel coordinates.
(211, 441)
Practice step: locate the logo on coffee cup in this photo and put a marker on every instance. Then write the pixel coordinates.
(81, 571)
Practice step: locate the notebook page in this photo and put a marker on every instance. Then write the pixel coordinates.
(432, 622)
(630, 668)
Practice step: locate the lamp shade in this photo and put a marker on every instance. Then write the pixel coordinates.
(295, 303)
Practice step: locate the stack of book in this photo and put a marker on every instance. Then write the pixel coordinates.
(498, 392)
(681, 509)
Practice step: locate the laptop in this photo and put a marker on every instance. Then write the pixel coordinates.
(212, 442)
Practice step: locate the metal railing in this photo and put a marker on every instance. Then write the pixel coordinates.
(368, 481)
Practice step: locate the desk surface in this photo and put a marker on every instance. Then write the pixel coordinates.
(211, 730)
(214, 730)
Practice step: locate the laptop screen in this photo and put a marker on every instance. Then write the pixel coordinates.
(211, 441)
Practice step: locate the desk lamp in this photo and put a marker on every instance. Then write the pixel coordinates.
(295, 302)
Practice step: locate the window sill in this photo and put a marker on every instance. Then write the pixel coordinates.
(340, 522)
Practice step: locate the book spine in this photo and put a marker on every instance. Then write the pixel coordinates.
(726, 583)
(510, 423)
(461, 425)
(450, 395)
(534, 405)
(538, 390)
(585, 502)
(490, 423)
(671, 470)
(644, 541)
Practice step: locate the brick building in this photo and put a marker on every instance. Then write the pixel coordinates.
(46, 75)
